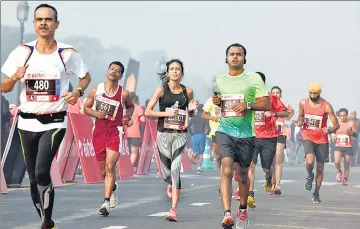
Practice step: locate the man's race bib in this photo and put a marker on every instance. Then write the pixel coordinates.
(227, 103)
(177, 122)
(42, 86)
(110, 106)
(343, 140)
(259, 118)
(217, 111)
(313, 122)
(279, 125)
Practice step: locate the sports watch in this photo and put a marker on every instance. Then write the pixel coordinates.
(81, 92)
(249, 105)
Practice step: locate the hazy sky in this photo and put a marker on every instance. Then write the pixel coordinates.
(293, 43)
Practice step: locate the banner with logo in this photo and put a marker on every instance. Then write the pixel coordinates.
(67, 156)
(82, 126)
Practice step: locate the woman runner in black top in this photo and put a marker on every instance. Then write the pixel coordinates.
(175, 102)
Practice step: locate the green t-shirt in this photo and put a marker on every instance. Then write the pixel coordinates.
(248, 85)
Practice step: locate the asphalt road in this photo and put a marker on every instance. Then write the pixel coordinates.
(143, 204)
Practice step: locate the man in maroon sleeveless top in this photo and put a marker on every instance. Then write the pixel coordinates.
(313, 115)
(105, 103)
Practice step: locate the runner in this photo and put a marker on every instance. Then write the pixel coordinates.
(313, 114)
(355, 147)
(212, 113)
(105, 103)
(235, 136)
(343, 145)
(43, 68)
(265, 143)
(197, 128)
(133, 133)
(281, 144)
(175, 103)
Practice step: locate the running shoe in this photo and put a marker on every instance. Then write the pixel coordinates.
(49, 226)
(243, 219)
(172, 215)
(267, 185)
(169, 191)
(228, 221)
(237, 195)
(339, 176)
(277, 191)
(272, 190)
(345, 181)
(308, 183)
(105, 209)
(316, 198)
(251, 202)
(199, 171)
(113, 197)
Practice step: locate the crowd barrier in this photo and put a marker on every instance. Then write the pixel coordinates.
(77, 148)
(3, 187)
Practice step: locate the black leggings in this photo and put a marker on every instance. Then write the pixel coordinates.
(39, 149)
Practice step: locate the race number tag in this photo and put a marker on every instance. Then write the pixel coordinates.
(343, 139)
(217, 111)
(279, 125)
(110, 106)
(176, 122)
(42, 87)
(227, 103)
(259, 118)
(313, 122)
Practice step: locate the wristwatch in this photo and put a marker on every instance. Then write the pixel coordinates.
(248, 105)
(81, 92)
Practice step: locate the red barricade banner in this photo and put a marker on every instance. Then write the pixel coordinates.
(3, 186)
(55, 174)
(125, 169)
(82, 126)
(67, 156)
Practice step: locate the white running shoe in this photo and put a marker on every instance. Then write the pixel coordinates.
(105, 209)
(113, 197)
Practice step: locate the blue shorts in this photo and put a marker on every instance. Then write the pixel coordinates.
(198, 143)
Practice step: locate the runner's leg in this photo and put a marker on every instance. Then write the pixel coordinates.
(337, 162)
(163, 142)
(49, 143)
(111, 159)
(279, 156)
(309, 163)
(29, 147)
(347, 159)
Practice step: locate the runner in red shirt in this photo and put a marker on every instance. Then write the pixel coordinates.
(313, 115)
(281, 143)
(265, 143)
(105, 103)
(343, 144)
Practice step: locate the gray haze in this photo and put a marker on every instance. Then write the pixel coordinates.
(293, 43)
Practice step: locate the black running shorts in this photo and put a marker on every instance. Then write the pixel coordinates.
(321, 151)
(134, 141)
(266, 147)
(241, 150)
(344, 150)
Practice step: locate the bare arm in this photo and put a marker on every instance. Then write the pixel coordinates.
(329, 110)
(290, 114)
(301, 113)
(282, 114)
(129, 105)
(8, 83)
(206, 115)
(354, 129)
(149, 112)
(142, 118)
(85, 81)
(89, 103)
(190, 94)
(262, 104)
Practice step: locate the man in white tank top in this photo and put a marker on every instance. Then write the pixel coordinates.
(43, 68)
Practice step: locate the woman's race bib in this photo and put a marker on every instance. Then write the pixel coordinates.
(177, 122)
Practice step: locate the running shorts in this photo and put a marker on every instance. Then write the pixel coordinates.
(321, 151)
(198, 143)
(266, 147)
(241, 150)
(134, 141)
(109, 138)
(345, 150)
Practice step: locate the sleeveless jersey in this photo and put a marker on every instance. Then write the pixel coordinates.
(315, 119)
(343, 139)
(113, 105)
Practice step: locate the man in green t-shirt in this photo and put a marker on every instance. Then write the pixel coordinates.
(238, 93)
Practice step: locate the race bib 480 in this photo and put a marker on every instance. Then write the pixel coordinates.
(227, 103)
(42, 90)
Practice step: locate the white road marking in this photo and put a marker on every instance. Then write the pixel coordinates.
(329, 183)
(356, 186)
(159, 214)
(199, 204)
(115, 227)
(94, 211)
